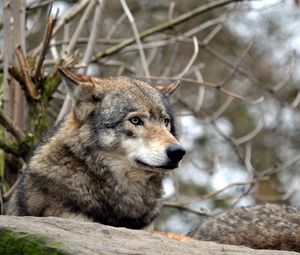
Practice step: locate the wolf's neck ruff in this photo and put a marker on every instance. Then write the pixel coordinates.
(107, 159)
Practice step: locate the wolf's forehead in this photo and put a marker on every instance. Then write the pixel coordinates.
(137, 94)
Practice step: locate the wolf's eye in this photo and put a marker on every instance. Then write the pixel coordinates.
(136, 121)
(167, 122)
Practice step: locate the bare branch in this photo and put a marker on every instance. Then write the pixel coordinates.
(220, 111)
(244, 73)
(275, 168)
(1, 202)
(87, 55)
(296, 101)
(30, 87)
(169, 67)
(9, 149)
(79, 27)
(252, 134)
(212, 85)
(45, 44)
(171, 10)
(213, 33)
(204, 26)
(40, 4)
(187, 200)
(77, 8)
(159, 28)
(201, 91)
(187, 209)
(234, 69)
(8, 194)
(192, 60)
(11, 127)
(205, 83)
(241, 98)
(136, 36)
(248, 154)
(94, 32)
(113, 29)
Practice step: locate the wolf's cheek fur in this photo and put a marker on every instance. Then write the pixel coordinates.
(150, 153)
(108, 139)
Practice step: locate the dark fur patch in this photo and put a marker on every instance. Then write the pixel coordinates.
(21, 199)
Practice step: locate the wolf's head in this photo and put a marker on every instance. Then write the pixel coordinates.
(127, 117)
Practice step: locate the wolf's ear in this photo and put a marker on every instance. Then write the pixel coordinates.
(80, 87)
(168, 90)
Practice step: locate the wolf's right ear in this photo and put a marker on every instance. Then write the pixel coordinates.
(80, 87)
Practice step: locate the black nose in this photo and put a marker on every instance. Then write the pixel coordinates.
(175, 152)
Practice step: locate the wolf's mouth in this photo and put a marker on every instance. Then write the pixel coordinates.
(165, 167)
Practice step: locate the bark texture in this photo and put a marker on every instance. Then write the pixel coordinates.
(30, 235)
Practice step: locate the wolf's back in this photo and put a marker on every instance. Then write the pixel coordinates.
(260, 227)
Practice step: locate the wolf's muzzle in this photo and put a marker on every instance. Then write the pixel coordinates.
(175, 153)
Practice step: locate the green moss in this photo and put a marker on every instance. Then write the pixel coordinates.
(14, 243)
(50, 84)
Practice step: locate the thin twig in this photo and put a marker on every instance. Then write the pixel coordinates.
(79, 27)
(185, 200)
(11, 127)
(40, 4)
(45, 44)
(171, 10)
(192, 60)
(244, 73)
(205, 83)
(251, 134)
(1, 202)
(201, 91)
(161, 27)
(248, 155)
(212, 85)
(187, 209)
(238, 63)
(94, 32)
(113, 29)
(9, 149)
(136, 36)
(77, 8)
(172, 61)
(279, 167)
(241, 98)
(296, 101)
(221, 110)
(8, 194)
(87, 55)
(228, 139)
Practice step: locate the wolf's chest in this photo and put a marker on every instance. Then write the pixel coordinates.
(124, 211)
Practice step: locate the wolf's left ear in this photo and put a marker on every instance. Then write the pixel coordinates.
(168, 90)
(80, 87)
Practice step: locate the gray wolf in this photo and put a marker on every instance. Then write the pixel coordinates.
(106, 161)
(260, 227)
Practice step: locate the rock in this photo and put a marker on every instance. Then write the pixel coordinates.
(33, 235)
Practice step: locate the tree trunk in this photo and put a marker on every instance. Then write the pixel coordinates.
(30, 235)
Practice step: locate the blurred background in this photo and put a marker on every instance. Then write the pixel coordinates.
(237, 107)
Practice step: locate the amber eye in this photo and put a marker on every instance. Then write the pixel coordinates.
(136, 121)
(167, 122)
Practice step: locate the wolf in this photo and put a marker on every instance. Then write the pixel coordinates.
(106, 161)
(265, 226)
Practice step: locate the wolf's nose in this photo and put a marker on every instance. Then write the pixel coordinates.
(175, 152)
